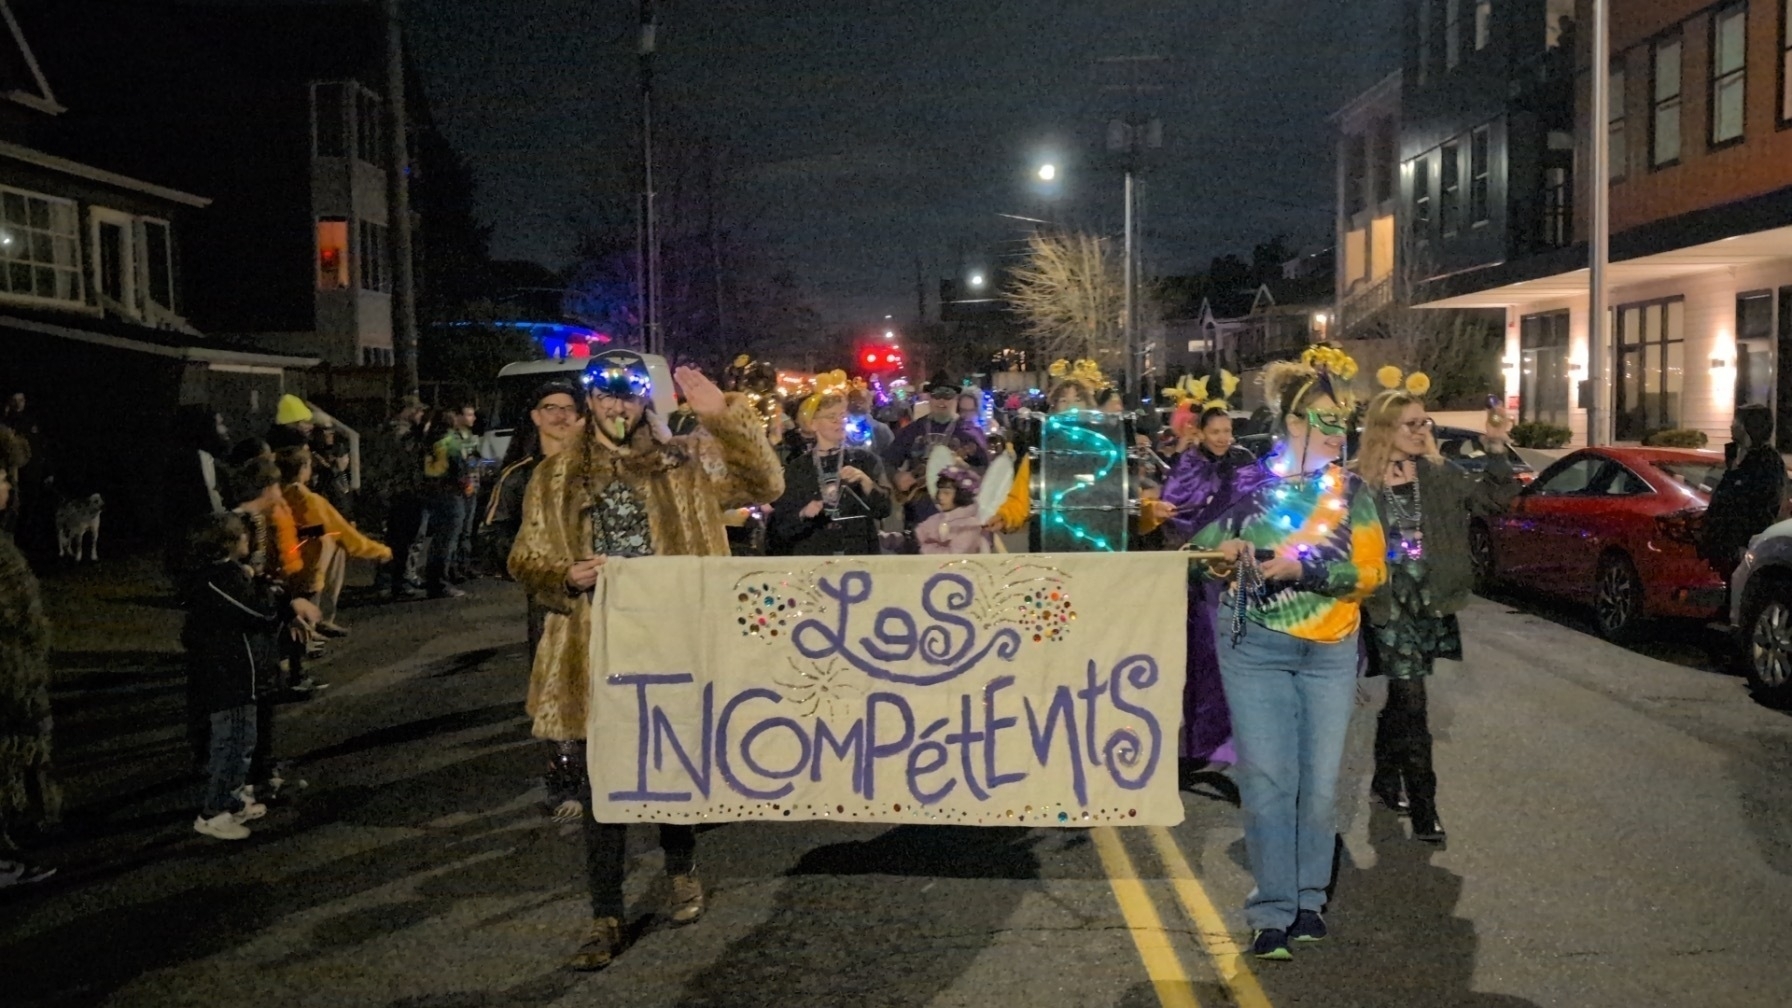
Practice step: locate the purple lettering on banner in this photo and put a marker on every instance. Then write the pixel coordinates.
(722, 764)
(746, 747)
(1122, 750)
(644, 726)
(895, 635)
(964, 738)
(1062, 708)
(663, 735)
(853, 742)
(875, 750)
(991, 725)
(940, 757)
(1095, 690)
(905, 638)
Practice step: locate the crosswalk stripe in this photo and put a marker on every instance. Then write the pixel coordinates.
(1162, 965)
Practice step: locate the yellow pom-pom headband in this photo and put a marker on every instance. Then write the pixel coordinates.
(1194, 393)
(1329, 359)
(1085, 371)
(1415, 384)
(832, 383)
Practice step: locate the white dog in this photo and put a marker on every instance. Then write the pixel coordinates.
(76, 521)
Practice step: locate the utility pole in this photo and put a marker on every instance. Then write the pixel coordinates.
(1599, 241)
(398, 199)
(1131, 137)
(648, 255)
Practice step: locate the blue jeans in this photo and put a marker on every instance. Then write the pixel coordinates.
(233, 741)
(447, 513)
(1290, 701)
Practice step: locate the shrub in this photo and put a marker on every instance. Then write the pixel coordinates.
(1540, 435)
(1677, 437)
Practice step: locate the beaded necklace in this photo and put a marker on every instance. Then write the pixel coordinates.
(1406, 519)
(1248, 591)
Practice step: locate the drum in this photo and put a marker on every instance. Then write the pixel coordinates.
(1083, 497)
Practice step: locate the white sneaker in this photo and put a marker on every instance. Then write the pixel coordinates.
(249, 812)
(223, 826)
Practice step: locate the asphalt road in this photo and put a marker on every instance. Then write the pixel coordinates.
(1620, 834)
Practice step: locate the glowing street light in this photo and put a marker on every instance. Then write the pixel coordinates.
(976, 281)
(1048, 172)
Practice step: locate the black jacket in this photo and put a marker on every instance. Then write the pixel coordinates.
(231, 636)
(1746, 501)
(853, 533)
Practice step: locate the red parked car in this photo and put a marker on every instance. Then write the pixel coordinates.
(1611, 527)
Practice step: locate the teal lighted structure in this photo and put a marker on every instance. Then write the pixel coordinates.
(1082, 485)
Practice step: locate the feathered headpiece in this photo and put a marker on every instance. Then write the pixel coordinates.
(1322, 365)
(1392, 379)
(1085, 371)
(1192, 397)
(832, 383)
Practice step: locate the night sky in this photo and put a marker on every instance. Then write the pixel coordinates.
(865, 133)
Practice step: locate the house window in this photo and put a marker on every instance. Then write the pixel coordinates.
(40, 241)
(1543, 368)
(158, 262)
(376, 356)
(375, 258)
(332, 253)
(1664, 105)
(1558, 25)
(1483, 24)
(1424, 47)
(369, 127)
(1729, 59)
(1651, 367)
(1754, 348)
(1477, 176)
(1382, 164)
(1450, 187)
(1452, 33)
(329, 127)
(1614, 127)
(1356, 167)
(1421, 199)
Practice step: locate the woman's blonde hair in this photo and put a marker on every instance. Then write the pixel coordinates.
(1380, 422)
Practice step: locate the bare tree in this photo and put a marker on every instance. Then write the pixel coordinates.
(1069, 294)
(1458, 349)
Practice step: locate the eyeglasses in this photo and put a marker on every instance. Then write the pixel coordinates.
(1418, 426)
(1328, 421)
(555, 408)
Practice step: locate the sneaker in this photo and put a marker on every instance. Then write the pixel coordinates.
(223, 826)
(250, 812)
(1308, 926)
(602, 944)
(686, 903)
(331, 629)
(17, 873)
(446, 591)
(1271, 944)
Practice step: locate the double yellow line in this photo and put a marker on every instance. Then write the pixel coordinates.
(1157, 950)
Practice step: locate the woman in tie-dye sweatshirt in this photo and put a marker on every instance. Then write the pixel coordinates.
(1310, 549)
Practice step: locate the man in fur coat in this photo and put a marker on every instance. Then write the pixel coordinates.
(29, 796)
(628, 488)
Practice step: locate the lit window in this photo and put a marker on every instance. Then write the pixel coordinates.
(40, 239)
(1665, 102)
(1483, 24)
(1619, 151)
(332, 254)
(1558, 25)
(1478, 176)
(1729, 59)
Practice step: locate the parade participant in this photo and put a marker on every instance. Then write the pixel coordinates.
(29, 795)
(1208, 478)
(941, 425)
(1289, 641)
(326, 538)
(293, 423)
(834, 495)
(627, 488)
(555, 423)
(953, 528)
(858, 411)
(1426, 501)
(1074, 391)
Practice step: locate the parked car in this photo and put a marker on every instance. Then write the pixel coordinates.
(1761, 611)
(1467, 448)
(1614, 528)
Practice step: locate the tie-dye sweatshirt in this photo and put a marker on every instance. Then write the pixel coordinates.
(1330, 524)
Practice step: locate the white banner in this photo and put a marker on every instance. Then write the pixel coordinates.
(1022, 689)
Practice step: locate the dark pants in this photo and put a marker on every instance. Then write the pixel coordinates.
(606, 860)
(261, 757)
(1403, 745)
(447, 517)
(404, 523)
(232, 743)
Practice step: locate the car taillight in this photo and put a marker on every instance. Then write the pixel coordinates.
(1681, 526)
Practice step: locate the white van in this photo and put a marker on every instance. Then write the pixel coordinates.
(517, 382)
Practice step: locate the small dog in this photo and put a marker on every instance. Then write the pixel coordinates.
(78, 524)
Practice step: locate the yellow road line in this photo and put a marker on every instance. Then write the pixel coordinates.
(1162, 966)
(1228, 961)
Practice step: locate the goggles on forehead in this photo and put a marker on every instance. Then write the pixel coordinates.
(618, 382)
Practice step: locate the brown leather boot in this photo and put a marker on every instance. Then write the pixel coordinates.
(602, 944)
(686, 903)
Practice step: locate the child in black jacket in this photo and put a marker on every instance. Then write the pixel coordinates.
(233, 621)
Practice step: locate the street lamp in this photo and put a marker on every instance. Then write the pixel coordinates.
(976, 281)
(1048, 172)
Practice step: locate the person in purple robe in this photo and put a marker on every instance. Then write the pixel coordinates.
(1209, 477)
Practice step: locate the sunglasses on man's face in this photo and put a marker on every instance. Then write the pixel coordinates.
(1328, 421)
